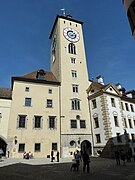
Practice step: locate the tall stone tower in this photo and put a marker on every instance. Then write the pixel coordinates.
(68, 64)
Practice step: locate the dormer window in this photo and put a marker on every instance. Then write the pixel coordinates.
(40, 74)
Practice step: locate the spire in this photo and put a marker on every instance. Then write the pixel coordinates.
(63, 11)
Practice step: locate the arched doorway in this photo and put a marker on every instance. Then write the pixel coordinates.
(3, 145)
(86, 146)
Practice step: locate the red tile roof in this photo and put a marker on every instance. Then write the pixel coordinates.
(48, 76)
(5, 93)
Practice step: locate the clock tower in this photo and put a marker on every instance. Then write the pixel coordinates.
(68, 64)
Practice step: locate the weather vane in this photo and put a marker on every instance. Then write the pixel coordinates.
(63, 11)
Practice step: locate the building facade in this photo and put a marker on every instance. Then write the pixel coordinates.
(113, 119)
(130, 10)
(61, 110)
(49, 110)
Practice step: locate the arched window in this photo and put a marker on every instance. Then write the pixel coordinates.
(75, 104)
(71, 48)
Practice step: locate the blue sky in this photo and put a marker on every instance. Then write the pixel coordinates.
(25, 26)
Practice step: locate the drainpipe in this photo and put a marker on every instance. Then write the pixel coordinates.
(91, 127)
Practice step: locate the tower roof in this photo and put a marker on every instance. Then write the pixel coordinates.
(66, 18)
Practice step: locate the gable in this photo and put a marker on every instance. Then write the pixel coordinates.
(112, 90)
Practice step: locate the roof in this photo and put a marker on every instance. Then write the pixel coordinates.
(63, 17)
(5, 93)
(48, 77)
(102, 88)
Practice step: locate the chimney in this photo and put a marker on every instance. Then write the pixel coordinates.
(100, 80)
(118, 86)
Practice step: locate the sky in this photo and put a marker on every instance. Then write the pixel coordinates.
(25, 26)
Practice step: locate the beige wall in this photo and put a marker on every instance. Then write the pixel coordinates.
(29, 135)
(5, 105)
(63, 63)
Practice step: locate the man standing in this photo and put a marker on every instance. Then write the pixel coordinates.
(58, 154)
(52, 156)
(78, 158)
(117, 157)
(86, 161)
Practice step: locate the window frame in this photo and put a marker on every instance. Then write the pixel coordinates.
(113, 102)
(49, 104)
(52, 122)
(116, 122)
(54, 146)
(37, 147)
(73, 124)
(82, 124)
(19, 147)
(35, 123)
(28, 102)
(75, 104)
(23, 123)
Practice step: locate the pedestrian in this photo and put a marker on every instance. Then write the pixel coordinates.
(123, 157)
(1, 153)
(52, 158)
(58, 154)
(77, 159)
(117, 157)
(86, 161)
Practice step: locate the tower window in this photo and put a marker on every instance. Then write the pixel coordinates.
(71, 48)
(73, 123)
(75, 88)
(82, 124)
(74, 73)
(75, 104)
(73, 60)
(52, 123)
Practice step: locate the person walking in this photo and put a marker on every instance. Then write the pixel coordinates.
(86, 161)
(58, 155)
(117, 157)
(1, 153)
(52, 156)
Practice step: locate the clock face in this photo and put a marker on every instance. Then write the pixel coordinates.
(71, 34)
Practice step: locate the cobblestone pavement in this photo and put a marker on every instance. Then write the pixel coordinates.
(100, 169)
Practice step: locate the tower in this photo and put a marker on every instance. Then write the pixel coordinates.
(68, 64)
